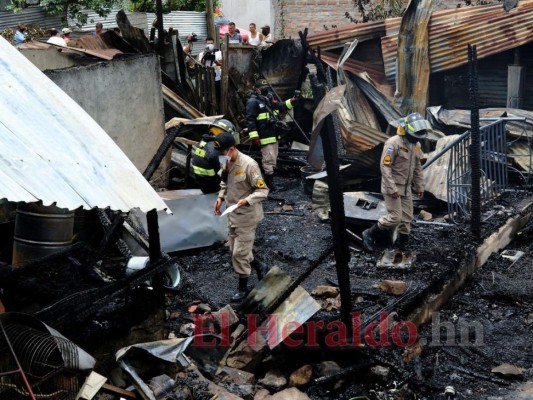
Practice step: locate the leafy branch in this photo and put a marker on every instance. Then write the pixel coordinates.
(171, 5)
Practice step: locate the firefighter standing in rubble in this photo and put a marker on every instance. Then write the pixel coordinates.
(262, 111)
(205, 161)
(401, 175)
(242, 185)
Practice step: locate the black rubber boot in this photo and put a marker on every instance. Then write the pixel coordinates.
(242, 290)
(260, 268)
(269, 180)
(403, 242)
(369, 237)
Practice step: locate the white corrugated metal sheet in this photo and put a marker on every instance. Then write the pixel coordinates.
(30, 16)
(185, 22)
(137, 19)
(53, 151)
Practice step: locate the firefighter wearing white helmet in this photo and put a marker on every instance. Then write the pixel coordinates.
(206, 158)
(401, 175)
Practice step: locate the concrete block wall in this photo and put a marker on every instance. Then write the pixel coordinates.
(124, 97)
(296, 15)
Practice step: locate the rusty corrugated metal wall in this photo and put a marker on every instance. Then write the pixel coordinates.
(450, 88)
(490, 28)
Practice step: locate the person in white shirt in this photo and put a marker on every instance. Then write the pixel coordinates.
(56, 39)
(211, 57)
(255, 37)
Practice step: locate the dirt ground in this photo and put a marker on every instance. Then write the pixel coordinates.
(498, 298)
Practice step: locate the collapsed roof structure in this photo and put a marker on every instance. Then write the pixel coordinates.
(401, 65)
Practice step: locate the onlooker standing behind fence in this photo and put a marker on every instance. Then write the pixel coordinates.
(234, 36)
(255, 38)
(268, 40)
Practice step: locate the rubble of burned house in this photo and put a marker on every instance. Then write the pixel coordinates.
(141, 280)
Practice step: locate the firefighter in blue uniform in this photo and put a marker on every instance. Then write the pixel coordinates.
(262, 111)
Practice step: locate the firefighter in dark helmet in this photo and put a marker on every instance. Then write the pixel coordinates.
(206, 162)
(262, 109)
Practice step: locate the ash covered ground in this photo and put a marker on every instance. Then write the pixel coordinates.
(498, 296)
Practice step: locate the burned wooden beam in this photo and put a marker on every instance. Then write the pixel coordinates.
(153, 236)
(161, 152)
(132, 35)
(475, 146)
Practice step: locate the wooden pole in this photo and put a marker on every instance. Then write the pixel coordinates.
(160, 31)
(225, 77)
(211, 31)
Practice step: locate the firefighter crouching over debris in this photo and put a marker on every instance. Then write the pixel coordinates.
(243, 185)
(205, 161)
(262, 111)
(401, 174)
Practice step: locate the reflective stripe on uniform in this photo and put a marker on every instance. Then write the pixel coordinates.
(199, 152)
(263, 116)
(268, 140)
(253, 135)
(203, 171)
(288, 104)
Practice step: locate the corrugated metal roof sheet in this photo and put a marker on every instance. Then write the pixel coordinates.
(53, 151)
(520, 153)
(357, 137)
(461, 118)
(490, 28)
(185, 22)
(109, 21)
(28, 16)
(354, 66)
(333, 38)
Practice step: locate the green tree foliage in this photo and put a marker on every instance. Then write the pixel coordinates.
(171, 5)
(72, 8)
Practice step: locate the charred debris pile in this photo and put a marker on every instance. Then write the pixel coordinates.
(329, 321)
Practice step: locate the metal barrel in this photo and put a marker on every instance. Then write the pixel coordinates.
(40, 231)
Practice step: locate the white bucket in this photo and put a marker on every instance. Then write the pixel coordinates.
(135, 264)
